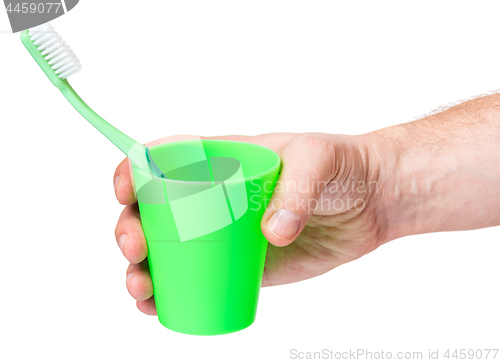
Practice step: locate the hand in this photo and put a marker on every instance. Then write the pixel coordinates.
(323, 212)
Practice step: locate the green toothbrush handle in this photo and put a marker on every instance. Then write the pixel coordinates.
(134, 150)
(122, 141)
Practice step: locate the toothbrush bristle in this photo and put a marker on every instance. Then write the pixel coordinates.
(54, 49)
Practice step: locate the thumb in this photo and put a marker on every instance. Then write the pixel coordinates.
(307, 168)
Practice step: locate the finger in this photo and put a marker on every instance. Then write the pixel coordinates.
(130, 236)
(147, 306)
(307, 167)
(138, 281)
(123, 183)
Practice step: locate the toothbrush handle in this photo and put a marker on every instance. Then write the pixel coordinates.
(122, 141)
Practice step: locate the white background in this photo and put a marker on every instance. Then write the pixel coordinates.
(159, 68)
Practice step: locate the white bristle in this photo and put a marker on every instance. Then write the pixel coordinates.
(61, 63)
(40, 30)
(50, 48)
(48, 43)
(61, 55)
(53, 53)
(45, 36)
(65, 68)
(55, 50)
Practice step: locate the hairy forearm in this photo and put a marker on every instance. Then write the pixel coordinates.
(441, 173)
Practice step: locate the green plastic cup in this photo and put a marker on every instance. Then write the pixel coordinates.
(206, 251)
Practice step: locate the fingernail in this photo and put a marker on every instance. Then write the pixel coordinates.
(121, 242)
(284, 223)
(117, 179)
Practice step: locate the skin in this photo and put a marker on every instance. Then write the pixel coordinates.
(440, 173)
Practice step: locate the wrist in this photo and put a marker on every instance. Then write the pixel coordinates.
(432, 179)
(397, 195)
(440, 173)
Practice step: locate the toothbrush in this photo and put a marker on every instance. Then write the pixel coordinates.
(59, 62)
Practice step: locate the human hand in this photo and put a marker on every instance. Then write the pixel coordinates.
(323, 212)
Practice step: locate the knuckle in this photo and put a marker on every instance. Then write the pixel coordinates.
(313, 143)
(123, 221)
(119, 223)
